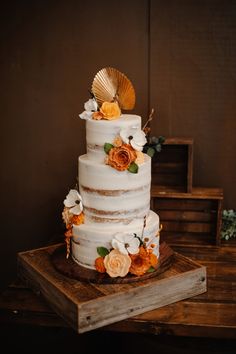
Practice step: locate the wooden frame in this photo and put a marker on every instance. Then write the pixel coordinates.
(173, 167)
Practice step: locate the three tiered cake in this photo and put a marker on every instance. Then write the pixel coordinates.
(110, 227)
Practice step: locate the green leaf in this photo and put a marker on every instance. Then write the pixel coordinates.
(102, 251)
(158, 148)
(133, 168)
(151, 270)
(154, 140)
(161, 139)
(151, 152)
(108, 147)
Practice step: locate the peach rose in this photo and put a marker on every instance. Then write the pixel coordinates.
(140, 262)
(117, 264)
(140, 157)
(110, 110)
(117, 141)
(121, 157)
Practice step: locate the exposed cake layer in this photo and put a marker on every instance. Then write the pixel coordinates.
(99, 132)
(111, 196)
(87, 237)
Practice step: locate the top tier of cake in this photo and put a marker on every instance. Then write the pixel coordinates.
(99, 132)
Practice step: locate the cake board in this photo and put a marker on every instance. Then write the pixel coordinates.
(86, 306)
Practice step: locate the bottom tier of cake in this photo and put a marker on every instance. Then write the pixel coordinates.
(87, 238)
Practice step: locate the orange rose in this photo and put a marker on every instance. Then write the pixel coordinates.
(121, 157)
(140, 262)
(99, 265)
(110, 110)
(117, 264)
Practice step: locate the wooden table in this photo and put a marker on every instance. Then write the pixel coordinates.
(211, 315)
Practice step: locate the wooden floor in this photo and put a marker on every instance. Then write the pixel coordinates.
(209, 317)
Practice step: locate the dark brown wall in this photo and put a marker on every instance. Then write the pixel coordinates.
(180, 56)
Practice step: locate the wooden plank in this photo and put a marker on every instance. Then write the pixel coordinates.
(86, 308)
(190, 216)
(197, 193)
(219, 222)
(203, 205)
(182, 227)
(188, 238)
(178, 141)
(190, 169)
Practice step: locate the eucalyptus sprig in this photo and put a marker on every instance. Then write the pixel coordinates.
(153, 145)
(228, 229)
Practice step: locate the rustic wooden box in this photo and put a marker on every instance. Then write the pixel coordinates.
(86, 306)
(172, 167)
(189, 218)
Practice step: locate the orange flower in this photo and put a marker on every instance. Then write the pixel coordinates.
(140, 262)
(97, 115)
(78, 219)
(99, 265)
(153, 260)
(110, 110)
(121, 157)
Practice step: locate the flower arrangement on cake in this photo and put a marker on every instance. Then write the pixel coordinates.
(109, 224)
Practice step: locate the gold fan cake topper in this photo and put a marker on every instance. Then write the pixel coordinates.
(110, 85)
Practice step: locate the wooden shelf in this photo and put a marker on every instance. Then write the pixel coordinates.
(189, 218)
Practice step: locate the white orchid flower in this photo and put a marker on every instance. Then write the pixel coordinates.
(74, 202)
(90, 106)
(136, 138)
(126, 243)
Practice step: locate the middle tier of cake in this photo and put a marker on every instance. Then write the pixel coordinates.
(111, 196)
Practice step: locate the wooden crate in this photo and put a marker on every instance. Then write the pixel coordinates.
(172, 167)
(86, 306)
(189, 218)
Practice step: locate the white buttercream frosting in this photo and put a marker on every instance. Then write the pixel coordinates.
(114, 201)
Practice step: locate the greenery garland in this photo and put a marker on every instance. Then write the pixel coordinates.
(228, 229)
